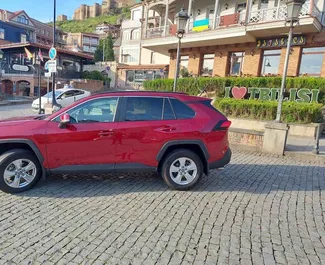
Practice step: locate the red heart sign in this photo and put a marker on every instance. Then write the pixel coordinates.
(239, 92)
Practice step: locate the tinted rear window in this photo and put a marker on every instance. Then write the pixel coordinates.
(181, 110)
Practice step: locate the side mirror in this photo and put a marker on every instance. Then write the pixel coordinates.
(64, 120)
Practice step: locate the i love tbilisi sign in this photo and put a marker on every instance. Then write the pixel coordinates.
(272, 94)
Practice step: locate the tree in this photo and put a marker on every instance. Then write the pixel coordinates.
(105, 46)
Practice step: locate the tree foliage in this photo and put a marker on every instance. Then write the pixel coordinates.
(105, 46)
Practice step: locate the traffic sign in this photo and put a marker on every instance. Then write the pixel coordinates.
(52, 53)
(51, 64)
(46, 66)
(47, 75)
(107, 69)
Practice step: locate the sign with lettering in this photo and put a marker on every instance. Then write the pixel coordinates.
(280, 42)
(272, 94)
(19, 67)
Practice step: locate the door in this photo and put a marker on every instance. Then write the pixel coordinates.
(66, 99)
(89, 139)
(146, 124)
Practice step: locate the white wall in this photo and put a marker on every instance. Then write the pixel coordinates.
(159, 58)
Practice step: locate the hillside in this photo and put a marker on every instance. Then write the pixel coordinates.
(89, 25)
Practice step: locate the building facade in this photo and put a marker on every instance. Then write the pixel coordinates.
(138, 63)
(237, 38)
(19, 74)
(19, 27)
(84, 42)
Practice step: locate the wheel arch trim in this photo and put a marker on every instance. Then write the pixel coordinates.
(199, 143)
(30, 143)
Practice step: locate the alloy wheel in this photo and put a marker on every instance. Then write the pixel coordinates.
(20, 173)
(183, 171)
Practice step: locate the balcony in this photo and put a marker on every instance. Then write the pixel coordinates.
(245, 25)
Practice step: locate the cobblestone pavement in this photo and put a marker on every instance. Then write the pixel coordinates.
(260, 210)
(16, 111)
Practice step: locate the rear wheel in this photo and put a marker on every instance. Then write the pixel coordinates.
(19, 171)
(182, 169)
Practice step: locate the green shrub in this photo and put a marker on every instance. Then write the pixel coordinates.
(192, 86)
(292, 112)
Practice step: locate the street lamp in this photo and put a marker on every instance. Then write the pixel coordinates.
(181, 21)
(293, 11)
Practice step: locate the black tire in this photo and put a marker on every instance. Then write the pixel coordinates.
(7, 158)
(171, 158)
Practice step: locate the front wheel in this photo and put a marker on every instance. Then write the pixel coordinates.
(19, 171)
(182, 169)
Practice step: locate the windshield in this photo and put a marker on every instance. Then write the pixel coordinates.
(57, 93)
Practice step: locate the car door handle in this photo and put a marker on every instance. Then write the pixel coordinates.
(167, 129)
(106, 133)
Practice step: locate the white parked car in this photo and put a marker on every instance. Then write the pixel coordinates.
(64, 97)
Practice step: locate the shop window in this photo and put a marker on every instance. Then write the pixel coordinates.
(207, 65)
(312, 61)
(271, 61)
(236, 63)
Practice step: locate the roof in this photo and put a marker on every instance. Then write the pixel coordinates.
(43, 46)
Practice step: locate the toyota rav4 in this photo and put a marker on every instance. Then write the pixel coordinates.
(179, 136)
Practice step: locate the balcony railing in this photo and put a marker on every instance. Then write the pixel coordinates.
(279, 13)
(256, 16)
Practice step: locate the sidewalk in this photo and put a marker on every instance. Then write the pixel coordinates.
(302, 147)
(15, 102)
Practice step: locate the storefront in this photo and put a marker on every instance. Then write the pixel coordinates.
(135, 75)
(265, 57)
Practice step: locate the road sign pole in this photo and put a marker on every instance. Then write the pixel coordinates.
(48, 89)
(54, 103)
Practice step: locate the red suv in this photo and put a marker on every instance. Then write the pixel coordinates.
(182, 137)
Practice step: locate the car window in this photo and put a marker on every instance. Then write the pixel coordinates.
(144, 109)
(168, 111)
(78, 92)
(181, 110)
(98, 110)
(67, 94)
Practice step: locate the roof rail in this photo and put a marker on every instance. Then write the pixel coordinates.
(136, 91)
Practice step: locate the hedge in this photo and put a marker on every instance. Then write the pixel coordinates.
(192, 86)
(292, 112)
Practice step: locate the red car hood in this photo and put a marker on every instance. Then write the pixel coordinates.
(16, 120)
(20, 119)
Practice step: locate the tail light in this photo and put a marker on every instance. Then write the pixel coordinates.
(222, 125)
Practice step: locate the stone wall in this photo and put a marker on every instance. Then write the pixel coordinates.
(88, 85)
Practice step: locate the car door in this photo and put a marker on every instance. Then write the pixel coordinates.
(79, 94)
(146, 124)
(89, 139)
(66, 99)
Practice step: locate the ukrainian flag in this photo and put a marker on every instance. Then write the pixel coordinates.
(200, 25)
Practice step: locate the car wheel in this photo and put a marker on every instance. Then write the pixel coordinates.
(182, 169)
(19, 171)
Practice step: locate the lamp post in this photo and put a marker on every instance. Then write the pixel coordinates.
(181, 20)
(293, 11)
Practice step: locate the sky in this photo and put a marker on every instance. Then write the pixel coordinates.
(43, 9)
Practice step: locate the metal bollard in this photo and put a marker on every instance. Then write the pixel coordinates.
(316, 146)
